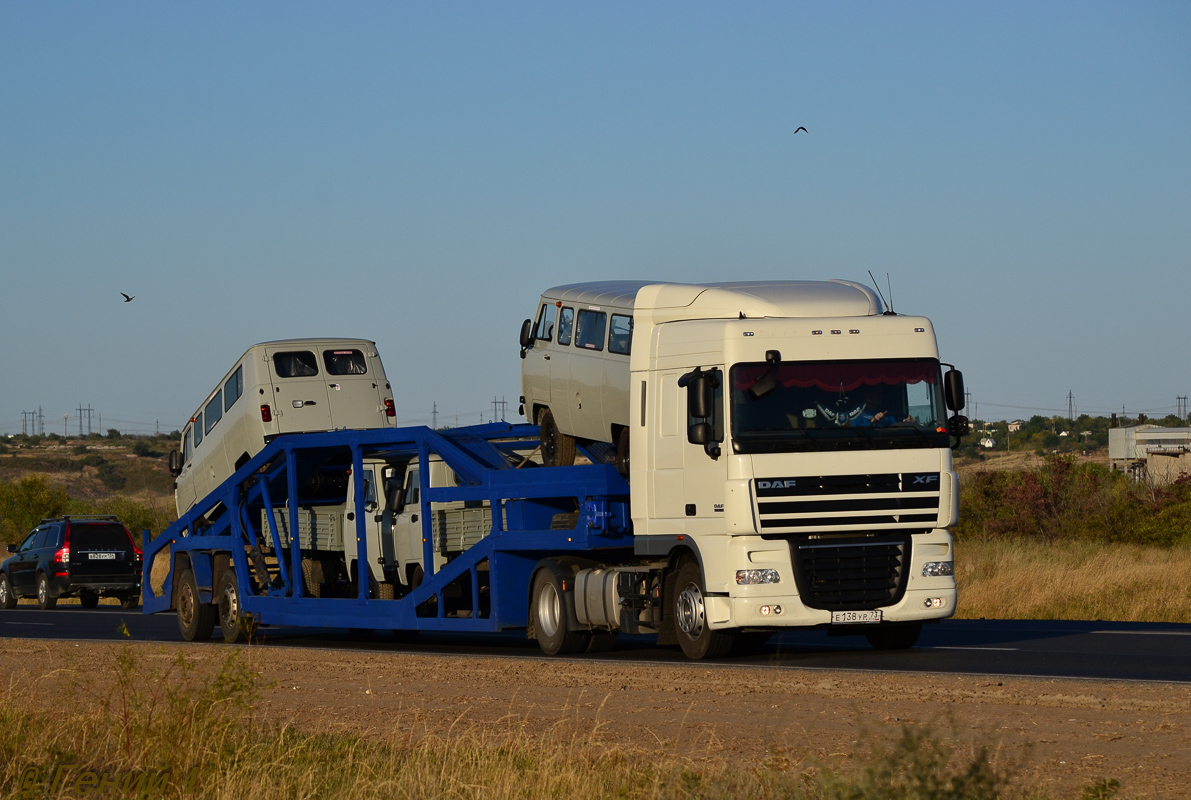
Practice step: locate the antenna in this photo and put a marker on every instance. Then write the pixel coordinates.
(889, 285)
(878, 288)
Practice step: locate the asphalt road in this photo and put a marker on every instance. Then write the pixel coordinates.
(1100, 650)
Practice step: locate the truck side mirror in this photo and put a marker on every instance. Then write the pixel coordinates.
(699, 397)
(526, 336)
(699, 433)
(175, 463)
(953, 389)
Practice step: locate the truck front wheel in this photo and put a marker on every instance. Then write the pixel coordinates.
(695, 636)
(549, 617)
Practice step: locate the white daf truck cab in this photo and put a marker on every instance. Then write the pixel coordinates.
(790, 443)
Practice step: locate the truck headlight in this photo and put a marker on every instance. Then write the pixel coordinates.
(747, 577)
(938, 569)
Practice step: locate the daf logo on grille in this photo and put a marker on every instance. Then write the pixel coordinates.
(776, 484)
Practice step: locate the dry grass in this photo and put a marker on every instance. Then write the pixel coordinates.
(187, 731)
(1027, 579)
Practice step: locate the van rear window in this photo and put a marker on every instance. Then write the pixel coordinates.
(345, 362)
(299, 364)
(105, 536)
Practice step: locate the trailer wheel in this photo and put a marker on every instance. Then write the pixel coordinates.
(196, 619)
(695, 636)
(549, 617)
(558, 449)
(88, 599)
(235, 624)
(894, 637)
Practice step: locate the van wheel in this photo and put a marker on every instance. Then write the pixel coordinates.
(695, 635)
(88, 599)
(7, 598)
(44, 601)
(196, 619)
(548, 613)
(622, 452)
(235, 624)
(558, 449)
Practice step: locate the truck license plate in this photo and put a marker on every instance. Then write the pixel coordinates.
(853, 617)
(102, 556)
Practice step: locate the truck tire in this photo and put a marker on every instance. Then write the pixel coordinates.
(235, 624)
(695, 636)
(558, 449)
(44, 600)
(894, 637)
(7, 598)
(88, 599)
(196, 619)
(312, 587)
(548, 614)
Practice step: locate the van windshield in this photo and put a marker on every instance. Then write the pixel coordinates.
(300, 364)
(345, 362)
(838, 405)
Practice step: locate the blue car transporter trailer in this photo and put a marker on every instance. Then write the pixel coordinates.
(484, 589)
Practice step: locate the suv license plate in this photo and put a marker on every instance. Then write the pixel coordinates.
(102, 556)
(853, 617)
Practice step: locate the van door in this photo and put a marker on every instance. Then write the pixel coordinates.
(300, 391)
(407, 526)
(587, 375)
(560, 390)
(354, 390)
(373, 525)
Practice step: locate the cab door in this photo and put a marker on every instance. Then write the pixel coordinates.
(373, 525)
(407, 525)
(535, 368)
(299, 391)
(704, 477)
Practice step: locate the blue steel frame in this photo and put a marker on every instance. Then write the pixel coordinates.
(528, 497)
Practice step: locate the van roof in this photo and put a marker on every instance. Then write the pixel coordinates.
(753, 298)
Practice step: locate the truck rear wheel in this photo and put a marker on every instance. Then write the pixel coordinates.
(548, 613)
(196, 619)
(695, 635)
(894, 637)
(558, 449)
(235, 624)
(622, 452)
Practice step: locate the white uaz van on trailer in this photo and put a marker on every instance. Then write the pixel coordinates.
(292, 386)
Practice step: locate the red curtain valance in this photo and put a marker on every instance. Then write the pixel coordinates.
(832, 376)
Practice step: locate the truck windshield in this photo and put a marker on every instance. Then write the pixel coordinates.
(837, 405)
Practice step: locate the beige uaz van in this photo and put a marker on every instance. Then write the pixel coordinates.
(292, 386)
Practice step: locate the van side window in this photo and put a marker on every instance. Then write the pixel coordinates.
(412, 489)
(198, 428)
(345, 362)
(187, 447)
(544, 330)
(566, 321)
(300, 364)
(233, 388)
(214, 411)
(589, 329)
(620, 338)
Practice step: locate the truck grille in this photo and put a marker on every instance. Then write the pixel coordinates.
(885, 501)
(845, 573)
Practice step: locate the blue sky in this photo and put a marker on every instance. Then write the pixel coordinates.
(417, 173)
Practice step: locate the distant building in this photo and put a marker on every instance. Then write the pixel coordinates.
(988, 442)
(1150, 452)
(1015, 426)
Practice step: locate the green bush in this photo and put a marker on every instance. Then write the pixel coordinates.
(27, 502)
(110, 477)
(1065, 500)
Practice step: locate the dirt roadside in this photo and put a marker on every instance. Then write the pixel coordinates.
(1067, 733)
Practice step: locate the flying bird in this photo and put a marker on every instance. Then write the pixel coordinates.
(800, 128)
(127, 298)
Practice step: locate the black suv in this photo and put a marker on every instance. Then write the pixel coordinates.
(87, 557)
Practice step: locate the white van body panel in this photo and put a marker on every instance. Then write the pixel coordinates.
(298, 403)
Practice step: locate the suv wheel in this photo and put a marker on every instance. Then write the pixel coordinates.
(130, 602)
(7, 598)
(88, 599)
(44, 601)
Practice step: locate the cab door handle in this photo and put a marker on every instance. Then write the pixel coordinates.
(413, 518)
(546, 357)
